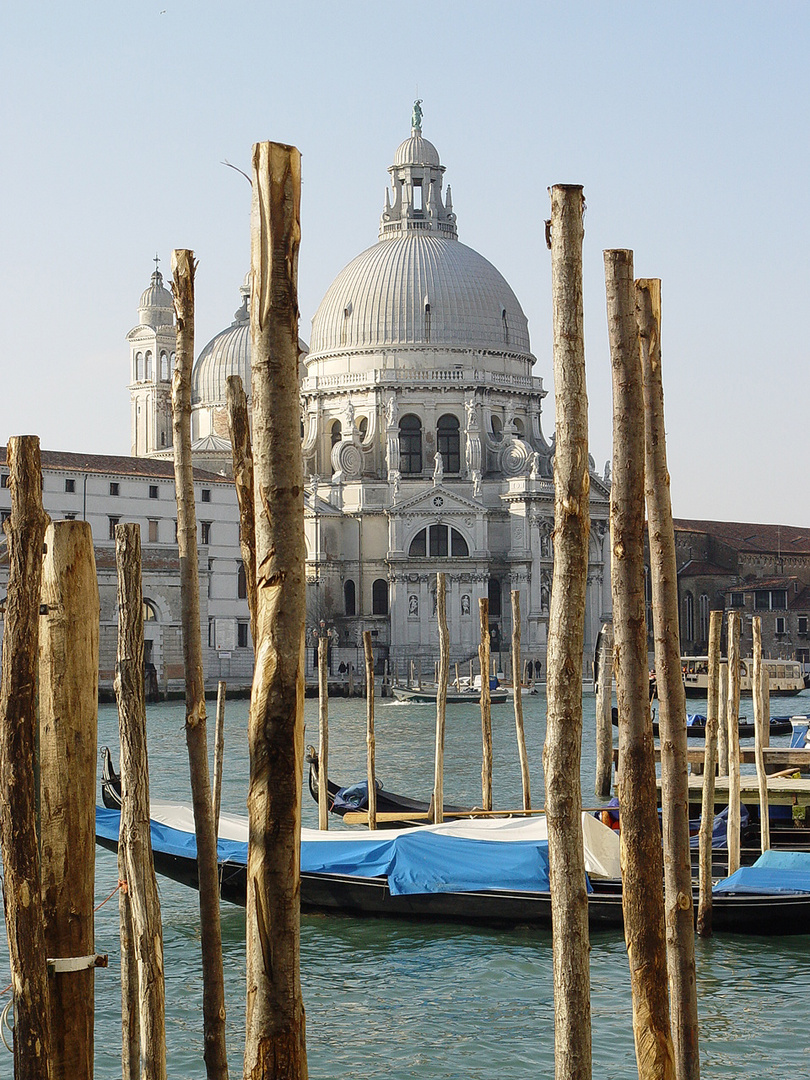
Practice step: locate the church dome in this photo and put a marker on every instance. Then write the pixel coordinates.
(419, 289)
(156, 307)
(416, 151)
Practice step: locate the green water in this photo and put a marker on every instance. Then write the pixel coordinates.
(395, 999)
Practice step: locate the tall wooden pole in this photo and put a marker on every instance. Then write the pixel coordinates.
(68, 711)
(722, 722)
(370, 743)
(216, 1063)
(642, 869)
(704, 917)
(733, 721)
(323, 733)
(563, 745)
(275, 1044)
(517, 689)
(242, 451)
(25, 532)
(679, 914)
(219, 753)
(135, 838)
(604, 718)
(760, 723)
(130, 1010)
(441, 698)
(486, 706)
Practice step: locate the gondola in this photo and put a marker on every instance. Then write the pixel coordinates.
(439, 873)
(696, 726)
(343, 800)
(426, 696)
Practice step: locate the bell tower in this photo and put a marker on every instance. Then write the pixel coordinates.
(151, 347)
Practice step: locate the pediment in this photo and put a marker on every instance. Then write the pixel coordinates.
(451, 503)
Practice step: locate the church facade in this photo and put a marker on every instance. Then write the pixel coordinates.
(423, 439)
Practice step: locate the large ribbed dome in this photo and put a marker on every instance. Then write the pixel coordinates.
(419, 289)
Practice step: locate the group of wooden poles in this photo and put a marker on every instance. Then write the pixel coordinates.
(436, 811)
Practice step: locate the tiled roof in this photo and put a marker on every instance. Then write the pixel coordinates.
(696, 568)
(745, 536)
(112, 464)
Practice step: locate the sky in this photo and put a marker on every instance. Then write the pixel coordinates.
(686, 123)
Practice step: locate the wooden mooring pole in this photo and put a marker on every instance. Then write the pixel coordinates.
(370, 743)
(761, 723)
(275, 1044)
(604, 717)
(733, 720)
(216, 1062)
(135, 839)
(722, 722)
(563, 744)
(517, 690)
(68, 712)
(25, 532)
(323, 733)
(642, 862)
(486, 706)
(704, 917)
(219, 754)
(242, 452)
(441, 698)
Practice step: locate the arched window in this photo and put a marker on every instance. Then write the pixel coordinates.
(164, 367)
(148, 365)
(448, 443)
(505, 323)
(362, 427)
(139, 367)
(379, 597)
(241, 582)
(427, 321)
(688, 617)
(517, 423)
(497, 428)
(440, 541)
(337, 432)
(703, 616)
(149, 611)
(494, 594)
(348, 597)
(410, 445)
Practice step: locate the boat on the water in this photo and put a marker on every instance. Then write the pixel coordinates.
(696, 725)
(466, 696)
(484, 872)
(786, 676)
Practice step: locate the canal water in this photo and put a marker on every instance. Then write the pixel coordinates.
(395, 999)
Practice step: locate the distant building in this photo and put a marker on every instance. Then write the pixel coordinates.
(756, 569)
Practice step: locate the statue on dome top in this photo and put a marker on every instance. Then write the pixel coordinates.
(416, 119)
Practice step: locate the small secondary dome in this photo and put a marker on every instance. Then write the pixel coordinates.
(416, 151)
(156, 307)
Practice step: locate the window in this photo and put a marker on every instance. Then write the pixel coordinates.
(494, 594)
(241, 582)
(349, 605)
(438, 541)
(418, 548)
(458, 545)
(114, 488)
(770, 599)
(497, 428)
(139, 367)
(164, 367)
(448, 442)
(505, 323)
(70, 485)
(4, 480)
(113, 522)
(780, 624)
(212, 633)
(427, 321)
(737, 600)
(802, 624)
(410, 445)
(417, 195)
(441, 541)
(242, 629)
(4, 515)
(148, 365)
(762, 600)
(689, 617)
(379, 597)
(205, 532)
(703, 615)
(205, 494)
(153, 491)
(779, 600)
(153, 530)
(149, 611)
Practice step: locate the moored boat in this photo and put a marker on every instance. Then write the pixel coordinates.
(696, 725)
(786, 676)
(426, 695)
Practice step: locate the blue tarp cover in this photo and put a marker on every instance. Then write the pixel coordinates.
(773, 872)
(413, 862)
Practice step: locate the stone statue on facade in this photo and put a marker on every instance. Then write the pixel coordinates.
(350, 415)
(393, 479)
(416, 119)
(534, 473)
(391, 411)
(438, 467)
(470, 406)
(476, 479)
(607, 471)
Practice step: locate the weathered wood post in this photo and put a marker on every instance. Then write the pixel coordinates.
(679, 916)
(68, 711)
(733, 720)
(219, 753)
(216, 1062)
(370, 743)
(25, 532)
(722, 722)
(486, 706)
(517, 689)
(242, 452)
(323, 733)
(604, 718)
(135, 839)
(458, 680)
(441, 698)
(760, 723)
(275, 1043)
(563, 745)
(642, 869)
(704, 917)
(130, 1011)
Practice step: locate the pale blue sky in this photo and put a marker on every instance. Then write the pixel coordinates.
(685, 122)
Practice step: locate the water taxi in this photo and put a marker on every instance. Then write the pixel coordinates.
(786, 676)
